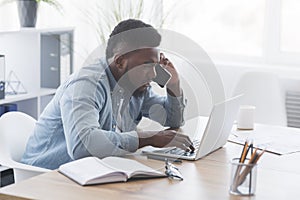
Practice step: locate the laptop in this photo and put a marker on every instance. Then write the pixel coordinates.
(211, 132)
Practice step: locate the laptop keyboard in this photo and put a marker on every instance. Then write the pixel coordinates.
(181, 152)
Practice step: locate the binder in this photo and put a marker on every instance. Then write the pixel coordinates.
(1, 110)
(4, 108)
(10, 107)
(2, 76)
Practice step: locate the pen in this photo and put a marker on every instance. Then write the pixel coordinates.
(253, 156)
(250, 147)
(247, 169)
(156, 157)
(258, 156)
(239, 178)
(254, 162)
(241, 160)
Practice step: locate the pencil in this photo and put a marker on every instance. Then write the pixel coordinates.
(259, 155)
(253, 156)
(248, 169)
(244, 152)
(241, 160)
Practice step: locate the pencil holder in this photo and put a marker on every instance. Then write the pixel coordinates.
(243, 178)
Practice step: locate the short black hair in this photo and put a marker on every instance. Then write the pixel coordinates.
(144, 35)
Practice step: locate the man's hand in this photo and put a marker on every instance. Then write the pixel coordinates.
(173, 85)
(166, 138)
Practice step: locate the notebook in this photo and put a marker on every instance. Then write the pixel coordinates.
(209, 138)
(92, 170)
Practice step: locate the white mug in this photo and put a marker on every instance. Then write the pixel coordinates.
(245, 120)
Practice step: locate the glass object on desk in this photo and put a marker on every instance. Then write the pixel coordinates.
(243, 178)
(172, 171)
(14, 85)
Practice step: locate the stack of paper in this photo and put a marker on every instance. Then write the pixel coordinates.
(276, 139)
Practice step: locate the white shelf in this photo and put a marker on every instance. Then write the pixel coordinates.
(35, 30)
(45, 91)
(24, 49)
(32, 103)
(27, 96)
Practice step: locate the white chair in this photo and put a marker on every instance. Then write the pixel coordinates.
(263, 90)
(15, 129)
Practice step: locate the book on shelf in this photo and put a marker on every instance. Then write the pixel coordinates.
(92, 170)
(8, 107)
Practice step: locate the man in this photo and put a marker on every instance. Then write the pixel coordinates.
(97, 110)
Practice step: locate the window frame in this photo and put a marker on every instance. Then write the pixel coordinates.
(271, 49)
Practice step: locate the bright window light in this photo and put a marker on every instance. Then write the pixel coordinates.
(222, 27)
(290, 29)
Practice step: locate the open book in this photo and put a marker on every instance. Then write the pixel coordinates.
(92, 170)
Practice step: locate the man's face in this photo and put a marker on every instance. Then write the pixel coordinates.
(140, 69)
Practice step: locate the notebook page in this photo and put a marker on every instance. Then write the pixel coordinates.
(88, 169)
(129, 166)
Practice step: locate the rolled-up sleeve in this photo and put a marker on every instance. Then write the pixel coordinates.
(81, 106)
(175, 107)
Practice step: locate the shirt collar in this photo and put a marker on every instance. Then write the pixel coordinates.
(112, 81)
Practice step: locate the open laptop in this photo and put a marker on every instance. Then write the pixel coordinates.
(208, 138)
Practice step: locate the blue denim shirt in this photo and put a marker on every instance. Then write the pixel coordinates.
(81, 119)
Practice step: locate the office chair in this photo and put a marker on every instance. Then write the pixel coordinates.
(263, 90)
(15, 129)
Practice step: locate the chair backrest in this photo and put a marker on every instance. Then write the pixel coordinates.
(264, 91)
(15, 129)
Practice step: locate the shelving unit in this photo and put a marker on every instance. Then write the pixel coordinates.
(30, 103)
(34, 59)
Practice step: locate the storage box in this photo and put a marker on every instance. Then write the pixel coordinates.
(6, 176)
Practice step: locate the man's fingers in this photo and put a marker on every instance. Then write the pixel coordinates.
(187, 141)
(173, 138)
(184, 142)
(179, 145)
(184, 136)
(192, 148)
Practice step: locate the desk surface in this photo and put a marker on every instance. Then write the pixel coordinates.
(208, 178)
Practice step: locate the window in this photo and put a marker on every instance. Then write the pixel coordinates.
(222, 27)
(257, 30)
(290, 29)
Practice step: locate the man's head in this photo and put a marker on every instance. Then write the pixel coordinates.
(131, 53)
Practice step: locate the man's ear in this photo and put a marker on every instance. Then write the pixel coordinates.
(121, 62)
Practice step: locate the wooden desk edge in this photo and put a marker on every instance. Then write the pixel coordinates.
(11, 197)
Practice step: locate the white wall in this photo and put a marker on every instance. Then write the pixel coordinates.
(231, 72)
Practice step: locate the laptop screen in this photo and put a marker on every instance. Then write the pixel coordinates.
(219, 126)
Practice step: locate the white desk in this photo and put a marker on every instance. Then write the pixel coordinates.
(278, 177)
(208, 178)
(277, 139)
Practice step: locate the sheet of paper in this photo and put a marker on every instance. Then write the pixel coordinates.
(276, 139)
